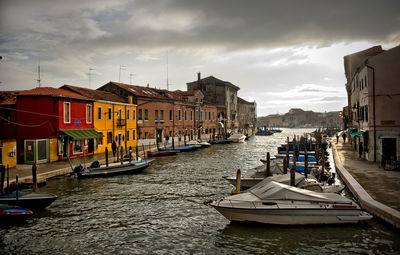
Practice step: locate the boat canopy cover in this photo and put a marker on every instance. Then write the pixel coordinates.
(82, 133)
(281, 178)
(278, 191)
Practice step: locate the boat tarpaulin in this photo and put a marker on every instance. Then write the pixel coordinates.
(82, 133)
(356, 134)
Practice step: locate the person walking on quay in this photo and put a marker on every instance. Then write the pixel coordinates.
(344, 137)
(114, 148)
(166, 140)
(337, 138)
(360, 149)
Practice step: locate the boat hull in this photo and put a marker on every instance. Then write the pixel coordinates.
(12, 214)
(115, 170)
(298, 216)
(161, 153)
(30, 200)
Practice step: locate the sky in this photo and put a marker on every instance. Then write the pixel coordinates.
(282, 54)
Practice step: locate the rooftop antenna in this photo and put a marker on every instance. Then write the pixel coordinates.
(90, 75)
(130, 77)
(121, 67)
(38, 79)
(167, 73)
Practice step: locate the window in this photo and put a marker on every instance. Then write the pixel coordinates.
(179, 114)
(100, 139)
(1, 155)
(67, 112)
(205, 115)
(366, 112)
(127, 135)
(109, 114)
(133, 114)
(146, 134)
(201, 115)
(78, 146)
(133, 134)
(88, 113)
(170, 115)
(128, 114)
(185, 115)
(140, 114)
(213, 116)
(146, 114)
(209, 115)
(162, 115)
(191, 115)
(99, 113)
(109, 137)
(156, 114)
(119, 114)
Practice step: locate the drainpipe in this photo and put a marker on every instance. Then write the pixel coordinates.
(373, 107)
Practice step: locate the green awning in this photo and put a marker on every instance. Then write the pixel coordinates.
(82, 134)
(350, 129)
(356, 134)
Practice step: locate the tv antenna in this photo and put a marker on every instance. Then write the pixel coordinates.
(130, 77)
(90, 76)
(121, 67)
(38, 79)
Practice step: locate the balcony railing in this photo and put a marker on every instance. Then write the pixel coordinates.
(121, 122)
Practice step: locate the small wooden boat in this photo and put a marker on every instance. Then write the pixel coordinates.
(113, 169)
(30, 200)
(264, 132)
(161, 153)
(12, 213)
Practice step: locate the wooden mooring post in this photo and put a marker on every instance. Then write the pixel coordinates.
(238, 174)
(292, 175)
(285, 165)
(122, 155)
(268, 170)
(106, 157)
(137, 153)
(34, 177)
(306, 163)
(3, 174)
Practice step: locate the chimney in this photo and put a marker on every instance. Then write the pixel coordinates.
(198, 76)
(148, 85)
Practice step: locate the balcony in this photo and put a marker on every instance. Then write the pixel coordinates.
(121, 122)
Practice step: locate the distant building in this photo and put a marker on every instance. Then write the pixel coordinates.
(374, 102)
(247, 116)
(219, 92)
(297, 118)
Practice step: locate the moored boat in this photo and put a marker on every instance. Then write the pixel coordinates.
(237, 138)
(30, 200)
(161, 153)
(180, 148)
(113, 169)
(12, 213)
(277, 203)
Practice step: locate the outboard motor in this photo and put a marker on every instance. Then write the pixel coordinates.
(331, 179)
(78, 169)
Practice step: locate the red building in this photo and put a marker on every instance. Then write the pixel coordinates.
(53, 124)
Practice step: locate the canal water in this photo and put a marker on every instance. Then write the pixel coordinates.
(163, 211)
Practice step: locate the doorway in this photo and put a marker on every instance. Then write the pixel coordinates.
(389, 152)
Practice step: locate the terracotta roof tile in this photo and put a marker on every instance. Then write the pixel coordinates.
(149, 92)
(96, 94)
(54, 92)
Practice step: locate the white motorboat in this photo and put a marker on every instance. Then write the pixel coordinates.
(237, 138)
(277, 203)
(200, 144)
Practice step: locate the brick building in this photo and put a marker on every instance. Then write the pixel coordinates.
(247, 116)
(162, 113)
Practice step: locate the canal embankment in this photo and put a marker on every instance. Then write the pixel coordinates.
(376, 189)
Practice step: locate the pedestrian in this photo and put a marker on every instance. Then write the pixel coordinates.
(114, 148)
(360, 149)
(344, 137)
(337, 138)
(166, 140)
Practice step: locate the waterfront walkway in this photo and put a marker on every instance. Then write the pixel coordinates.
(377, 190)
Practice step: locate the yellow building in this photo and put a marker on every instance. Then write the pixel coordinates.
(114, 117)
(8, 153)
